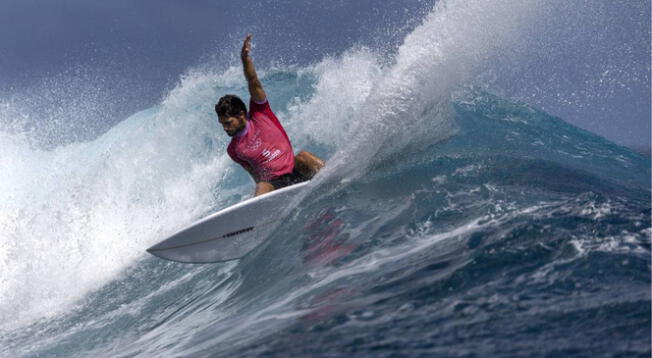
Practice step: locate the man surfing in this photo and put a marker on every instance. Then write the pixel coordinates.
(258, 141)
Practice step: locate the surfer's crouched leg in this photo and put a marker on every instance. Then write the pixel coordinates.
(307, 164)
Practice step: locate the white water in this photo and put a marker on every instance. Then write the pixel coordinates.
(74, 217)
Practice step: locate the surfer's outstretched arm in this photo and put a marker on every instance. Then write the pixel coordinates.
(255, 87)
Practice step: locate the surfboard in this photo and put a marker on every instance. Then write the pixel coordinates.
(230, 233)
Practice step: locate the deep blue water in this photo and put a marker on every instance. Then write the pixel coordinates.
(449, 222)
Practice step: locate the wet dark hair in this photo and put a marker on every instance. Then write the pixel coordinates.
(230, 106)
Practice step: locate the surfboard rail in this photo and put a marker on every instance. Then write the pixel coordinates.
(229, 233)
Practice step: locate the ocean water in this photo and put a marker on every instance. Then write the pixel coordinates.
(449, 222)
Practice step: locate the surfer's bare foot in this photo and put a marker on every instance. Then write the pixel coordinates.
(307, 164)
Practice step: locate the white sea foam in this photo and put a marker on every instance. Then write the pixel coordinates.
(73, 216)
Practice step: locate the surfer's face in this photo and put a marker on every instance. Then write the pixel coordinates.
(233, 125)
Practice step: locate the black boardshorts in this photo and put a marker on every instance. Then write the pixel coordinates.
(288, 179)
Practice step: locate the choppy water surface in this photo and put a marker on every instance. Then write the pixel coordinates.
(449, 222)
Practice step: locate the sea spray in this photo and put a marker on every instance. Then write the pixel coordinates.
(507, 225)
(76, 215)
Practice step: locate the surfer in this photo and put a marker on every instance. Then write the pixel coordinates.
(258, 141)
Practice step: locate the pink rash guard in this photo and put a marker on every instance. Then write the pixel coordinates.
(263, 144)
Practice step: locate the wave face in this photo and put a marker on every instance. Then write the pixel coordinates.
(448, 222)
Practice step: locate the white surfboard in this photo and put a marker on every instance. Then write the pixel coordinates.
(230, 233)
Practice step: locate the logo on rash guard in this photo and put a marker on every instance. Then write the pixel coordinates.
(270, 155)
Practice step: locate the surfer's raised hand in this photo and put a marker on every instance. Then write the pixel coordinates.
(246, 47)
(255, 87)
